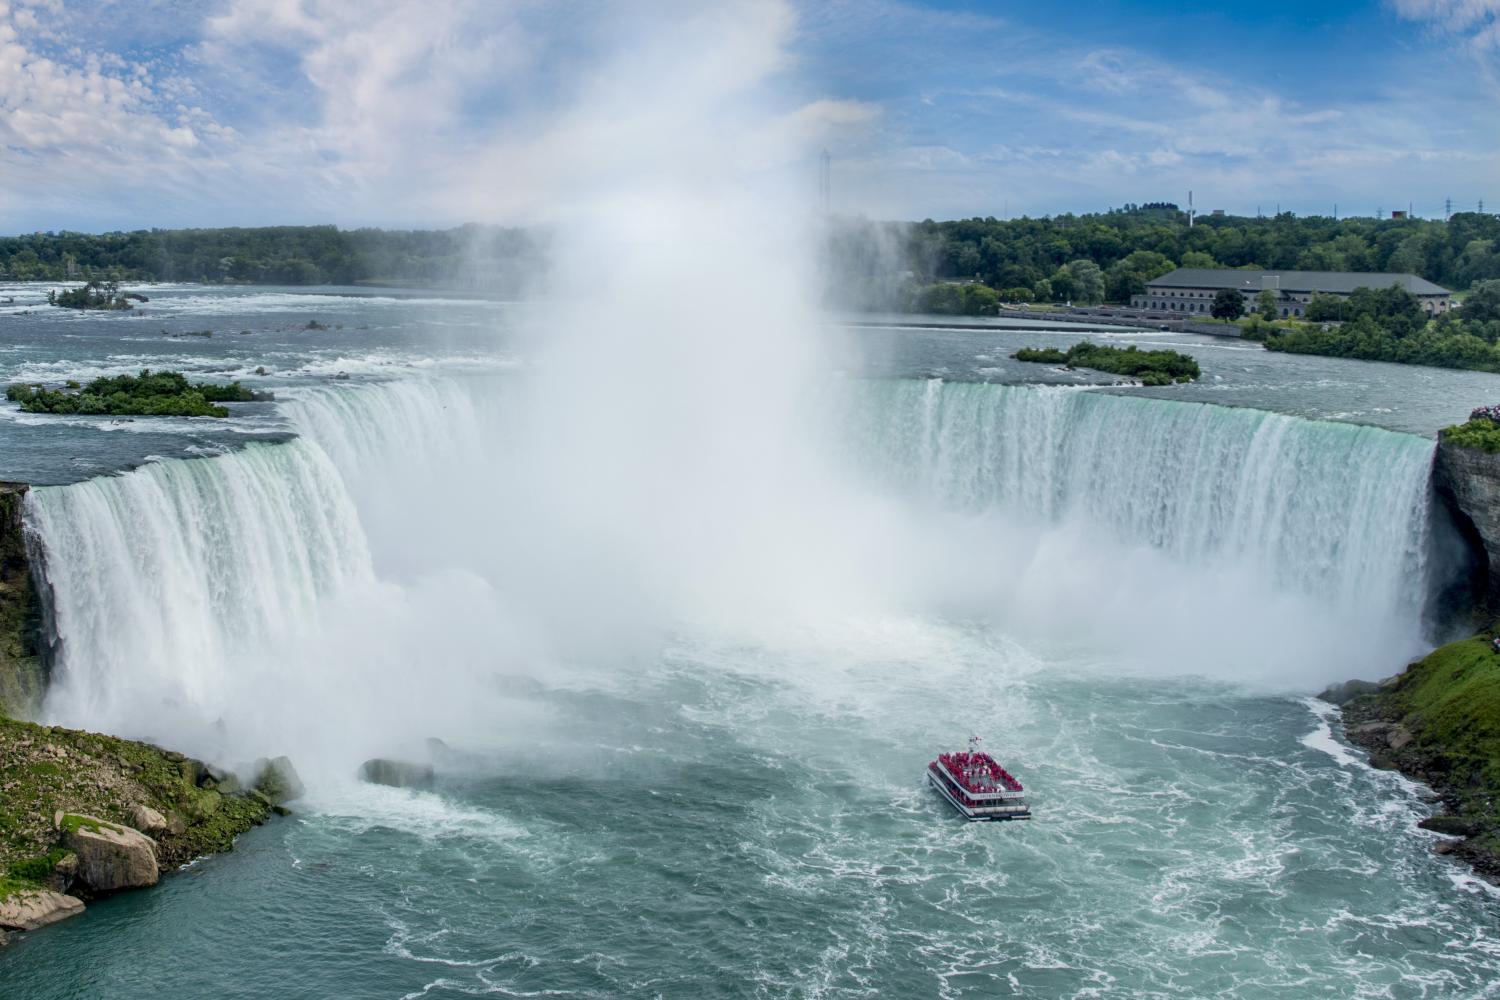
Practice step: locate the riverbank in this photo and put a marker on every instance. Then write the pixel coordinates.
(1438, 722)
(84, 815)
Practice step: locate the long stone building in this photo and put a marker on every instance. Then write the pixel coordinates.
(1192, 289)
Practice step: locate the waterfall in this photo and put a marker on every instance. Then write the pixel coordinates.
(397, 529)
(165, 579)
(1335, 510)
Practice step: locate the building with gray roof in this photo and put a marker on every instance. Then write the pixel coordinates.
(1192, 289)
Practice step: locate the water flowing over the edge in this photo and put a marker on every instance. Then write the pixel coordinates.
(163, 579)
(168, 579)
(1330, 509)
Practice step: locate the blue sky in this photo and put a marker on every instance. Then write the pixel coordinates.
(392, 112)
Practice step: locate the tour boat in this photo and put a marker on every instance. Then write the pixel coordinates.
(977, 786)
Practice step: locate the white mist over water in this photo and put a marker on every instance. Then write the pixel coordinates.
(674, 458)
(651, 469)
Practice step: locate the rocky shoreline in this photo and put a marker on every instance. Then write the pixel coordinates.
(1438, 722)
(84, 815)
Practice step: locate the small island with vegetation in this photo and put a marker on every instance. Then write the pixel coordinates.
(1151, 367)
(150, 394)
(96, 295)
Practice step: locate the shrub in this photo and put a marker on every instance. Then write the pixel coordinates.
(1041, 355)
(1481, 434)
(1163, 367)
(149, 394)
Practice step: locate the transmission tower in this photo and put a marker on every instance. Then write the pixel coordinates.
(1447, 208)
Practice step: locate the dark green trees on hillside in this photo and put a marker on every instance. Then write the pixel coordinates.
(1483, 302)
(281, 255)
(868, 264)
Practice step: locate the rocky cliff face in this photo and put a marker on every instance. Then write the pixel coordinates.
(1468, 480)
(23, 671)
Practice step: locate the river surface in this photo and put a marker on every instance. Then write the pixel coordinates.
(659, 773)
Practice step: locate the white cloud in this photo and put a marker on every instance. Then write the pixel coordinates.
(1452, 15)
(73, 121)
(392, 111)
(1478, 21)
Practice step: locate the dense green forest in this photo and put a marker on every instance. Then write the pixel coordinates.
(469, 256)
(1079, 258)
(1109, 257)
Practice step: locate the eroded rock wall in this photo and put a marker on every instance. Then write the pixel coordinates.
(23, 669)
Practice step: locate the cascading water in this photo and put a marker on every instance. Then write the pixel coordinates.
(168, 579)
(1159, 524)
(1334, 510)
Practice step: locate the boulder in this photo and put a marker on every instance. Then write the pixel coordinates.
(148, 820)
(26, 911)
(1445, 847)
(110, 857)
(205, 802)
(277, 780)
(1397, 738)
(1340, 694)
(1452, 826)
(64, 873)
(1377, 730)
(396, 773)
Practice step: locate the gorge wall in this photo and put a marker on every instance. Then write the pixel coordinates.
(23, 667)
(1468, 481)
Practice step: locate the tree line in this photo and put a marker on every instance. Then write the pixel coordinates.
(480, 256)
(1102, 257)
(1109, 257)
(1389, 324)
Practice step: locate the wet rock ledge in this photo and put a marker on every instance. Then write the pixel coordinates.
(1438, 722)
(23, 667)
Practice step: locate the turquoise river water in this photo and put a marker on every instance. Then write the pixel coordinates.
(679, 725)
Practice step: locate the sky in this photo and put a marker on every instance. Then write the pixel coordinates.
(120, 114)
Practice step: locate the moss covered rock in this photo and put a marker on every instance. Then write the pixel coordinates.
(102, 781)
(29, 909)
(111, 857)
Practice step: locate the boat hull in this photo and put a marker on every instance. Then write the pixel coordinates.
(990, 815)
